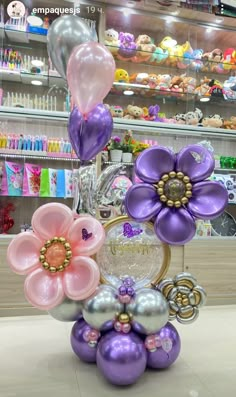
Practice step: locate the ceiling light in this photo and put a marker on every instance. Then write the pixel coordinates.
(33, 20)
(209, 30)
(36, 82)
(37, 63)
(204, 99)
(128, 92)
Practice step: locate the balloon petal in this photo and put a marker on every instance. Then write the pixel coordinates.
(23, 253)
(81, 279)
(44, 290)
(86, 235)
(209, 200)
(51, 220)
(153, 163)
(88, 137)
(142, 202)
(175, 226)
(196, 162)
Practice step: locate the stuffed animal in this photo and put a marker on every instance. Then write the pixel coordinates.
(153, 113)
(145, 45)
(203, 87)
(216, 88)
(153, 80)
(139, 78)
(180, 118)
(128, 46)
(134, 113)
(230, 124)
(121, 76)
(167, 43)
(116, 111)
(159, 56)
(111, 40)
(196, 63)
(229, 58)
(193, 118)
(164, 82)
(215, 121)
(188, 84)
(175, 84)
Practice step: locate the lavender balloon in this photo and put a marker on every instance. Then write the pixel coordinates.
(84, 341)
(90, 135)
(163, 347)
(121, 358)
(175, 191)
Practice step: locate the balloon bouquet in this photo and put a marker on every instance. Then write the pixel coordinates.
(111, 281)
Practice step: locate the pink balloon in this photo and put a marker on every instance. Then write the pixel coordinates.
(90, 75)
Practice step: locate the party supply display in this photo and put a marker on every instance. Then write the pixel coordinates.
(64, 35)
(12, 179)
(31, 182)
(56, 258)
(89, 135)
(175, 191)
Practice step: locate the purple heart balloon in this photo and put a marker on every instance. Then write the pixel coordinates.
(90, 135)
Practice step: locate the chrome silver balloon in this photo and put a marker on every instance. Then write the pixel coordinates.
(68, 310)
(149, 311)
(65, 33)
(84, 180)
(102, 307)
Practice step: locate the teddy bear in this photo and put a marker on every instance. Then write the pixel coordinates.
(112, 40)
(116, 111)
(153, 80)
(215, 121)
(164, 82)
(175, 84)
(134, 113)
(121, 76)
(128, 47)
(188, 84)
(145, 45)
(203, 88)
(153, 113)
(194, 118)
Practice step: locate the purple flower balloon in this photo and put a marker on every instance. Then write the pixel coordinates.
(163, 347)
(175, 191)
(84, 341)
(121, 358)
(89, 136)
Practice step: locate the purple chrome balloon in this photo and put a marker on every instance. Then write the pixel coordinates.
(79, 345)
(169, 349)
(175, 225)
(89, 136)
(121, 358)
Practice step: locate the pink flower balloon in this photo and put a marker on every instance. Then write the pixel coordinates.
(55, 257)
(90, 75)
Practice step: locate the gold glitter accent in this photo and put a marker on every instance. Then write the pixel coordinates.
(174, 189)
(188, 186)
(165, 177)
(161, 184)
(186, 179)
(180, 175)
(160, 191)
(163, 198)
(170, 203)
(177, 204)
(66, 261)
(184, 200)
(172, 174)
(188, 194)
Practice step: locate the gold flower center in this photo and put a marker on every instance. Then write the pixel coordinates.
(174, 189)
(55, 255)
(182, 299)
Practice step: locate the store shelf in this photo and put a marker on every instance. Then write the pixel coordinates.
(5, 154)
(227, 170)
(15, 112)
(25, 77)
(21, 36)
(38, 197)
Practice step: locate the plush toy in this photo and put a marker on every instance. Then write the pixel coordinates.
(215, 121)
(230, 88)
(176, 54)
(153, 80)
(145, 45)
(164, 82)
(159, 56)
(188, 84)
(229, 58)
(153, 113)
(167, 43)
(203, 88)
(180, 118)
(121, 76)
(216, 88)
(230, 124)
(139, 78)
(193, 118)
(116, 111)
(196, 62)
(111, 40)
(128, 46)
(134, 113)
(175, 84)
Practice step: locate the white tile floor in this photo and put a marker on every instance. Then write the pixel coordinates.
(36, 361)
